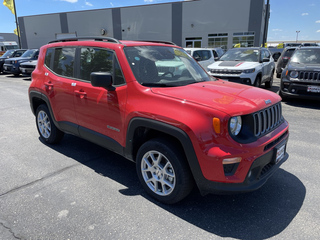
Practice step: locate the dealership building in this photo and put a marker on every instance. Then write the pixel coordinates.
(198, 23)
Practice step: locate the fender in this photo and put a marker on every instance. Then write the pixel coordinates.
(170, 130)
(63, 126)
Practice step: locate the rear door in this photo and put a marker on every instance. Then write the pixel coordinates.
(58, 82)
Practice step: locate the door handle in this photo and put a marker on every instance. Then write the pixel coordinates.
(80, 93)
(48, 85)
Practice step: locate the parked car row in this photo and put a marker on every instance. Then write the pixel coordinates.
(19, 61)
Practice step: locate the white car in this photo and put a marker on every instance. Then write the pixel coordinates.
(205, 56)
(251, 66)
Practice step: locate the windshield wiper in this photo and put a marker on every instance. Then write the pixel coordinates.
(155, 85)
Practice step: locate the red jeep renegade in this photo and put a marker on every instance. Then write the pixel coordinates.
(153, 104)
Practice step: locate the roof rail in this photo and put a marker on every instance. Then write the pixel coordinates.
(157, 41)
(109, 39)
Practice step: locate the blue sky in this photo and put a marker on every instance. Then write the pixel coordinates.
(287, 16)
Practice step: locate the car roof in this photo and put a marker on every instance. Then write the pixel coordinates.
(195, 49)
(108, 40)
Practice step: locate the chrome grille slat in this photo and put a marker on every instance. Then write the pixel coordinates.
(267, 119)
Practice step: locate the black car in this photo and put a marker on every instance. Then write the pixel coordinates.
(301, 76)
(284, 59)
(12, 65)
(10, 54)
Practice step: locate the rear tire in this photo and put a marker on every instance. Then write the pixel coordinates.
(163, 171)
(49, 133)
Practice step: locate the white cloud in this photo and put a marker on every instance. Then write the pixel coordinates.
(89, 4)
(318, 31)
(318, 21)
(150, 1)
(111, 4)
(70, 1)
(277, 30)
(304, 14)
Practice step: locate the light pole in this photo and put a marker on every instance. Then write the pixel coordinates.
(297, 35)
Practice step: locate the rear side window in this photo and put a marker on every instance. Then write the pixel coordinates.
(63, 63)
(48, 57)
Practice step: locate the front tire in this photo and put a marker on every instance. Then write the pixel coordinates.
(257, 82)
(270, 82)
(49, 133)
(163, 171)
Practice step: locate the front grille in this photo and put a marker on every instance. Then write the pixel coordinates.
(226, 71)
(309, 76)
(267, 119)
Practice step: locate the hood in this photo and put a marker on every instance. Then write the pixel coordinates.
(233, 65)
(30, 63)
(17, 59)
(230, 98)
(303, 66)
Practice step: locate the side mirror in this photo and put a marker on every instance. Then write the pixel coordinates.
(276, 56)
(102, 79)
(216, 58)
(265, 60)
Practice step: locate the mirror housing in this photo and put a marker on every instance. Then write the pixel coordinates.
(102, 79)
(265, 60)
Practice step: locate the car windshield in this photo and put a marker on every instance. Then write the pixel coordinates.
(29, 53)
(7, 53)
(238, 54)
(306, 56)
(161, 66)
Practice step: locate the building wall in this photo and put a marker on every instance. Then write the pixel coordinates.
(169, 21)
(8, 37)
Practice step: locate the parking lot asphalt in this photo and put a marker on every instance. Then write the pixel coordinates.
(77, 190)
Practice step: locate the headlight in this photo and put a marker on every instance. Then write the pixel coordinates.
(235, 125)
(252, 70)
(294, 74)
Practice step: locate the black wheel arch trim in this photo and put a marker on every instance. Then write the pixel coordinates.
(170, 130)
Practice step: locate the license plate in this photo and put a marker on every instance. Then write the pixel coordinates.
(314, 89)
(280, 153)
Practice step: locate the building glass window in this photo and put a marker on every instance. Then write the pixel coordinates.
(218, 40)
(194, 42)
(243, 39)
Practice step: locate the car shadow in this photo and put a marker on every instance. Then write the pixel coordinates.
(303, 103)
(257, 215)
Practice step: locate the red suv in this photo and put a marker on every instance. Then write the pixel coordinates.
(153, 104)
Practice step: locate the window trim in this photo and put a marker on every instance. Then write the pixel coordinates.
(76, 68)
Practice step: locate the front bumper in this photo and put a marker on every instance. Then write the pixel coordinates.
(260, 171)
(300, 89)
(247, 79)
(26, 70)
(9, 68)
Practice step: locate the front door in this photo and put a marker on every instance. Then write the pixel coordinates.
(98, 110)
